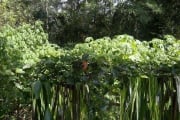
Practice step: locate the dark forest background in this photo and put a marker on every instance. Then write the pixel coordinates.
(71, 21)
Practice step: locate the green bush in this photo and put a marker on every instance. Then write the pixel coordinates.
(107, 78)
(125, 79)
(20, 49)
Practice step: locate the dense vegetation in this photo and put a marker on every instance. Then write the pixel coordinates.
(74, 20)
(20, 48)
(52, 70)
(118, 78)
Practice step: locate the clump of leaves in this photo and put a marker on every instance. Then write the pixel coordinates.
(109, 78)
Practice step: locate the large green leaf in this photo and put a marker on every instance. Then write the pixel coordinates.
(47, 115)
(36, 88)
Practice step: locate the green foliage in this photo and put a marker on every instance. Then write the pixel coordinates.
(14, 13)
(72, 21)
(125, 79)
(19, 46)
(106, 78)
(20, 49)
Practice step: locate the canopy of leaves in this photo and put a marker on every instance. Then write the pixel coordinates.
(73, 21)
(15, 12)
(114, 67)
(123, 76)
(20, 49)
(119, 71)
